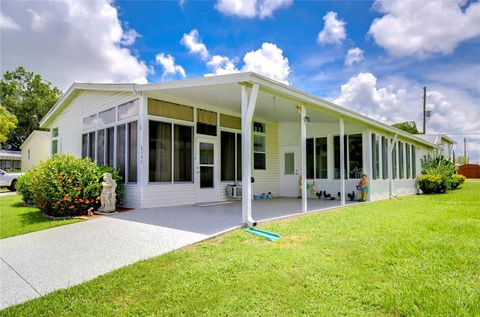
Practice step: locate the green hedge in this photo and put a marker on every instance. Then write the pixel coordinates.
(65, 186)
(438, 175)
(457, 180)
(432, 183)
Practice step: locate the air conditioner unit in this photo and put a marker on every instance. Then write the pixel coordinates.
(234, 191)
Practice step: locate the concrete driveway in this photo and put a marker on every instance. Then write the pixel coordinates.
(37, 263)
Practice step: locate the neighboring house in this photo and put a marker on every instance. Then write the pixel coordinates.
(443, 142)
(10, 161)
(36, 148)
(184, 142)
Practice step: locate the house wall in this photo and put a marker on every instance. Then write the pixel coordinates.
(39, 148)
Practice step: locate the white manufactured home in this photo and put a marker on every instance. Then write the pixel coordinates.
(184, 142)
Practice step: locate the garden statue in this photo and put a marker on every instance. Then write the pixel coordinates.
(108, 197)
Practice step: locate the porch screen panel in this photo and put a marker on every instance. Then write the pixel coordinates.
(109, 146)
(336, 156)
(355, 156)
(400, 160)
(231, 122)
(408, 164)
(100, 147)
(84, 145)
(375, 157)
(227, 156)
(310, 158)
(394, 161)
(169, 110)
(239, 157)
(414, 162)
(183, 153)
(121, 133)
(91, 145)
(384, 158)
(206, 122)
(160, 152)
(132, 152)
(321, 158)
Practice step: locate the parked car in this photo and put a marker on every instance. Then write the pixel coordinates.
(9, 180)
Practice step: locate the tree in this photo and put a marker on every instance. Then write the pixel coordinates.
(462, 160)
(8, 122)
(27, 96)
(408, 126)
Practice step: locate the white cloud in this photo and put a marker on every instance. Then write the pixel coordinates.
(221, 65)
(354, 55)
(333, 30)
(169, 66)
(194, 44)
(68, 41)
(268, 61)
(453, 110)
(7, 23)
(251, 8)
(424, 27)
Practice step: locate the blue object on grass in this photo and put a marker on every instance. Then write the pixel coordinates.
(270, 236)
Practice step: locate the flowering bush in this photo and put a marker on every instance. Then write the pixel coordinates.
(65, 186)
(432, 183)
(457, 180)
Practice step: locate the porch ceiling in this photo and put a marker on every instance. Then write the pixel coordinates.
(228, 96)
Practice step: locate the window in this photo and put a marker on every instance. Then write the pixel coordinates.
(101, 147)
(109, 153)
(206, 122)
(289, 162)
(90, 122)
(182, 153)
(355, 156)
(91, 145)
(106, 117)
(231, 156)
(400, 160)
(132, 152)
(84, 145)
(259, 152)
(414, 162)
(28, 153)
(128, 110)
(336, 156)
(394, 161)
(310, 158)
(384, 158)
(231, 122)
(259, 127)
(408, 164)
(321, 158)
(54, 141)
(169, 110)
(121, 137)
(375, 157)
(160, 152)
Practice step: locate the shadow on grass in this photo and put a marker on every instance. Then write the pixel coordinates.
(33, 217)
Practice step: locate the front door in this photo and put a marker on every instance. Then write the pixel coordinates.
(206, 170)
(290, 171)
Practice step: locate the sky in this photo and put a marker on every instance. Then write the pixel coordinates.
(373, 57)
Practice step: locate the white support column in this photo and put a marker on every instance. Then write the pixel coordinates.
(248, 107)
(342, 160)
(303, 141)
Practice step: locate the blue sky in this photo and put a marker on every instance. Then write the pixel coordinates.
(396, 47)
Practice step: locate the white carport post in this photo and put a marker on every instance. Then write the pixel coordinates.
(248, 107)
(303, 142)
(342, 160)
(390, 166)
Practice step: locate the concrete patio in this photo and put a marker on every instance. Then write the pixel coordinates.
(37, 263)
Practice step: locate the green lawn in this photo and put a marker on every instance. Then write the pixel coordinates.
(418, 255)
(16, 218)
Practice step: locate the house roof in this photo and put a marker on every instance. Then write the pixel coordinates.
(266, 85)
(10, 155)
(434, 137)
(45, 134)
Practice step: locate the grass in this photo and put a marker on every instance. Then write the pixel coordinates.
(16, 218)
(417, 255)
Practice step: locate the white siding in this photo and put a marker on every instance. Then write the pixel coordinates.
(133, 196)
(39, 146)
(168, 195)
(269, 180)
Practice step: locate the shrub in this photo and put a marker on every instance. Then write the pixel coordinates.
(457, 180)
(65, 186)
(432, 183)
(441, 167)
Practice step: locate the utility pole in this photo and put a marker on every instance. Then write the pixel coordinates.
(425, 110)
(465, 149)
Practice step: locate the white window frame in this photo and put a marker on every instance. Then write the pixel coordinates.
(236, 132)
